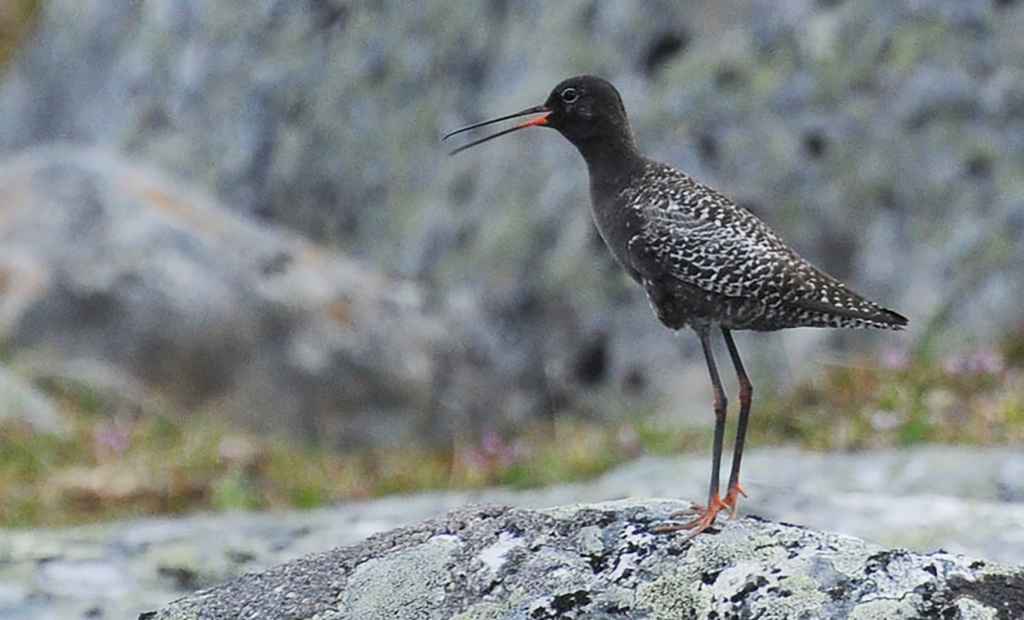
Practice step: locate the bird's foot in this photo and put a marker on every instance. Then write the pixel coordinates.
(705, 518)
(732, 499)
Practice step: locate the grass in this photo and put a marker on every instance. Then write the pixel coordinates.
(977, 398)
(122, 467)
(113, 469)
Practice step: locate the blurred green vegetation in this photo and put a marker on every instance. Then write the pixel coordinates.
(112, 467)
(16, 20)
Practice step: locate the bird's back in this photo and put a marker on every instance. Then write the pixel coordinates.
(702, 258)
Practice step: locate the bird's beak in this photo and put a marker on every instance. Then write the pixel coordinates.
(533, 122)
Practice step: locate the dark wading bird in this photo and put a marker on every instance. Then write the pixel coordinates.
(703, 261)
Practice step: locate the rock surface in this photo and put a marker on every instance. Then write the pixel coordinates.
(881, 137)
(969, 502)
(119, 279)
(602, 561)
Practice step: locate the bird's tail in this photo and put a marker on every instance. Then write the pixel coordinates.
(892, 319)
(854, 311)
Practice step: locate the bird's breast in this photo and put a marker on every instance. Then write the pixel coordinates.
(617, 224)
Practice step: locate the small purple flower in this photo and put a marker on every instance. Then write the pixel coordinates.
(493, 452)
(112, 437)
(980, 362)
(497, 450)
(896, 358)
(629, 439)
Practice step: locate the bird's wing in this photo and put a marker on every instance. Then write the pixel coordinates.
(696, 235)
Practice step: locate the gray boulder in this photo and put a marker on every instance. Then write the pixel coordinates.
(129, 283)
(602, 561)
(880, 137)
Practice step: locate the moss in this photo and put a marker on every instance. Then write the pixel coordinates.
(1012, 348)
(17, 17)
(913, 42)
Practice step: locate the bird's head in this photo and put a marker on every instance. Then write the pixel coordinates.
(584, 109)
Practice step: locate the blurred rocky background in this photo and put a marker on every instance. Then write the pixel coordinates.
(883, 140)
(237, 269)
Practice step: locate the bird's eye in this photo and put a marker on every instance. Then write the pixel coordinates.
(570, 95)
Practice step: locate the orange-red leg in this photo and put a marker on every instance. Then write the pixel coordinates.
(706, 515)
(746, 392)
(705, 518)
(732, 498)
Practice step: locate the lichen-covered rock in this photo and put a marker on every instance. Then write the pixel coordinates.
(602, 561)
(919, 498)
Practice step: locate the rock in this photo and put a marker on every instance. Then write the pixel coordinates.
(602, 561)
(877, 136)
(20, 402)
(116, 276)
(921, 499)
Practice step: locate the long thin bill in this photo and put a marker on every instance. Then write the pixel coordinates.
(534, 122)
(534, 110)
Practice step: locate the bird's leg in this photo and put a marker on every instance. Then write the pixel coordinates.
(746, 391)
(706, 514)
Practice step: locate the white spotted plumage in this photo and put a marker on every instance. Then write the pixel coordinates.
(703, 259)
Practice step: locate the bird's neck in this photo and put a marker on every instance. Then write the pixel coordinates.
(612, 162)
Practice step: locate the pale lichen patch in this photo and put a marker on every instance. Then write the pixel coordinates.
(804, 600)
(884, 609)
(676, 595)
(973, 610)
(589, 540)
(494, 556)
(390, 586)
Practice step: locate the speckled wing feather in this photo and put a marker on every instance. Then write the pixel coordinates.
(695, 235)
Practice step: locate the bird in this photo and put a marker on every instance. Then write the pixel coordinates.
(703, 261)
